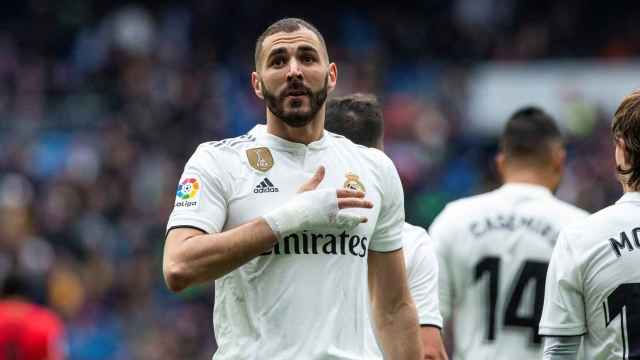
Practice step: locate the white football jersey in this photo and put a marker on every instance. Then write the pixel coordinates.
(305, 298)
(593, 284)
(422, 274)
(493, 251)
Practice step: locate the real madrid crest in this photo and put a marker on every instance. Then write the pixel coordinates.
(353, 182)
(260, 158)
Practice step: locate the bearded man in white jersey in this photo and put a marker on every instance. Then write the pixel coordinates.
(593, 283)
(358, 117)
(494, 248)
(290, 222)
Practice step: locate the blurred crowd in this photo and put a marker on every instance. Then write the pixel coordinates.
(101, 104)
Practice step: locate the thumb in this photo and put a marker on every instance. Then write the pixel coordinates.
(315, 180)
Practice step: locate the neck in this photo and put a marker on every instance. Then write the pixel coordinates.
(304, 135)
(534, 177)
(627, 188)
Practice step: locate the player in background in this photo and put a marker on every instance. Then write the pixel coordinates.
(280, 221)
(27, 331)
(358, 117)
(493, 249)
(593, 283)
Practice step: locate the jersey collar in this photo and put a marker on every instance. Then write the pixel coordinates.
(632, 196)
(527, 188)
(270, 140)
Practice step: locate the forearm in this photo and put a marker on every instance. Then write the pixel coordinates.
(204, 257)
(398, 331)
(561, 347)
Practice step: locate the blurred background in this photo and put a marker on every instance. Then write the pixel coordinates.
(102, 103)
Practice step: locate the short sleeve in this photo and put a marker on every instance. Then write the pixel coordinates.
(443, 234)
(387, 235)
(201, 195)
(423, 283)
(563, 313)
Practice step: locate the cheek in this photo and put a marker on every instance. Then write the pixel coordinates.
(272, 80)
(315, 74)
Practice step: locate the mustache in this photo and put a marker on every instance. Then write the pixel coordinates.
(296, 88)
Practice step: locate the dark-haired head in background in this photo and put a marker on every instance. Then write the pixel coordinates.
(626, 134)
(358, 117)
(531, 149)
(14, 284)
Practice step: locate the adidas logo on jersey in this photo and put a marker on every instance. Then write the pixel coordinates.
(265, 186)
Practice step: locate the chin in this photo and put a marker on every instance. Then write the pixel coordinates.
(298, 122)
(297, 119)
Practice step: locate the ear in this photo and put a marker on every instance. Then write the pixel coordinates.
(333, 77)
(256, 84)
(621, 153)
(559, 158)
(500, 162)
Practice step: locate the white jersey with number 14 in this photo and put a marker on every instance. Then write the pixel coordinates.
(494, 250)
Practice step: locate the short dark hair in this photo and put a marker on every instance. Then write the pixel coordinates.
(287, 25)
(626, 127)
(528, 136)
(14, 284)
(358, 117)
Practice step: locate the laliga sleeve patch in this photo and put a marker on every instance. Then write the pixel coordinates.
(188, 193)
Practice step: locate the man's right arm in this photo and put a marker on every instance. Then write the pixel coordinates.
(192, 257)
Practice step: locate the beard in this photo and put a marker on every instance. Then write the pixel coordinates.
(296, 117)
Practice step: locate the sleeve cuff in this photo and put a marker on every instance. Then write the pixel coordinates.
(431, 322)
(386, 246)
(192, 223)
(562, 331)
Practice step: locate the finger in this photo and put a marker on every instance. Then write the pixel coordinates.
(344, 203)
(346, 193)
(315, 180)
(349, 220)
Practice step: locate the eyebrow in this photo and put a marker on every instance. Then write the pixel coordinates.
(305, 48)
(277, 51)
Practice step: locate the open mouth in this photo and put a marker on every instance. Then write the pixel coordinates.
(296, 93)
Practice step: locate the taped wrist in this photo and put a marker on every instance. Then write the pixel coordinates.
(311, 210)
(305, 210)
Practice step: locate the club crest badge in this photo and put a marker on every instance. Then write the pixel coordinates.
(260, 158)
(353, 182)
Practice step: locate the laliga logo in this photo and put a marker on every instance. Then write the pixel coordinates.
(188, 189)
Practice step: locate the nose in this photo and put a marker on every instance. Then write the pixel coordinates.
(294, 70)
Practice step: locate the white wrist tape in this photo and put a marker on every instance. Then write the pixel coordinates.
(311, 210)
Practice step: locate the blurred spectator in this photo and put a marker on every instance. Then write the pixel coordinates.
(27, 331)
